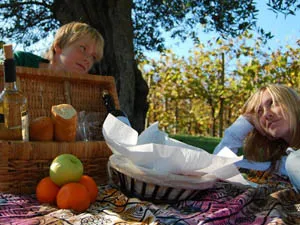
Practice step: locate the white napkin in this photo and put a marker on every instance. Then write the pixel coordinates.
(153, 149)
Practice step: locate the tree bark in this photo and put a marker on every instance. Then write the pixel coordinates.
(112, 18)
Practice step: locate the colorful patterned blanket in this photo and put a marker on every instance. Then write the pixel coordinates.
(275, 203)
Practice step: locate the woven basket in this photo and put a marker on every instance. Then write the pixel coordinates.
(23, 164)
(150, 185)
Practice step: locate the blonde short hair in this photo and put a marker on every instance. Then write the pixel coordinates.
(289, 101)
(71, 32)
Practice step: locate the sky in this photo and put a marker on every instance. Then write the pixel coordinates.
(285, 30)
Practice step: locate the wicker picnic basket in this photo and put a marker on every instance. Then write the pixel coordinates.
(23, 164)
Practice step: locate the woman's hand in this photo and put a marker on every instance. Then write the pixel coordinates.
(252, 118)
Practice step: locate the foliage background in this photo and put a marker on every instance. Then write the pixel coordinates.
(202, 95)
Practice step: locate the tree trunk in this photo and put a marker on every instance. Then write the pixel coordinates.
(222, 84)
(112, 18)
(214, 130)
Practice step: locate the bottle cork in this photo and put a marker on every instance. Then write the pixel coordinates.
(8, 51)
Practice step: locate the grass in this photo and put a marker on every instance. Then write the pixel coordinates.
(206, 143)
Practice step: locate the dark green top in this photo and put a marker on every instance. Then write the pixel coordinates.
(28, 59)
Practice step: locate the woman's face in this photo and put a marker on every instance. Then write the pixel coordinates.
(271, 118)
(77, 57)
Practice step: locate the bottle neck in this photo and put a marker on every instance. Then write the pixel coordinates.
(10, 86)
(110, 107)
(108, 102)
(9, 71)
(10, 74)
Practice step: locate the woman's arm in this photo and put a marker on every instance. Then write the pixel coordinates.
(233, 139)
(234, 135)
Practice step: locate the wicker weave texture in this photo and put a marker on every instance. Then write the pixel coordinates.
(23, 164)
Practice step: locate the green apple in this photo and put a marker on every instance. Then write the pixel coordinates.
(66, 168)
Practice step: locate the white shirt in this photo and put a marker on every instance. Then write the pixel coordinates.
(233, 139)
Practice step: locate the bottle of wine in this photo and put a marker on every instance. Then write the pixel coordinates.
(110, 107)
(13, 104)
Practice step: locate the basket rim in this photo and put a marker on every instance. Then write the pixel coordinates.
(126, 167)
(60, 75)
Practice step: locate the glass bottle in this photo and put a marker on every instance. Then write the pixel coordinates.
(13, 104)
(110, 107)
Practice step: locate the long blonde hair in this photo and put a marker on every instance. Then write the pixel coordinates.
(256, 146)
(71, 32)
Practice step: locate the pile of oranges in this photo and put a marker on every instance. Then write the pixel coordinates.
(75, 195)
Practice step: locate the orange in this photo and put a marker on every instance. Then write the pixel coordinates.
(46, 191)
(91, 186)
(73, 196)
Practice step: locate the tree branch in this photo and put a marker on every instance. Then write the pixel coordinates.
(18, 4)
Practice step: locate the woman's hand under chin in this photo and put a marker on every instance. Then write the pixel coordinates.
(252, 118)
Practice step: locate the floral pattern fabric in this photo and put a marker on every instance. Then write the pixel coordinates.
(273, 202)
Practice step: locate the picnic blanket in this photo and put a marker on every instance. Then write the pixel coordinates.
(225, 203)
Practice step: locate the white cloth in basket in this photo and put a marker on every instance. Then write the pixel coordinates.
(154, 150)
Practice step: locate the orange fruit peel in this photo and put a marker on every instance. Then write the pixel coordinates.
(91, 186)
(46, 191)
(73, 196)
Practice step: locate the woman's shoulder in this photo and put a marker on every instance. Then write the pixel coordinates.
(28, 59)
